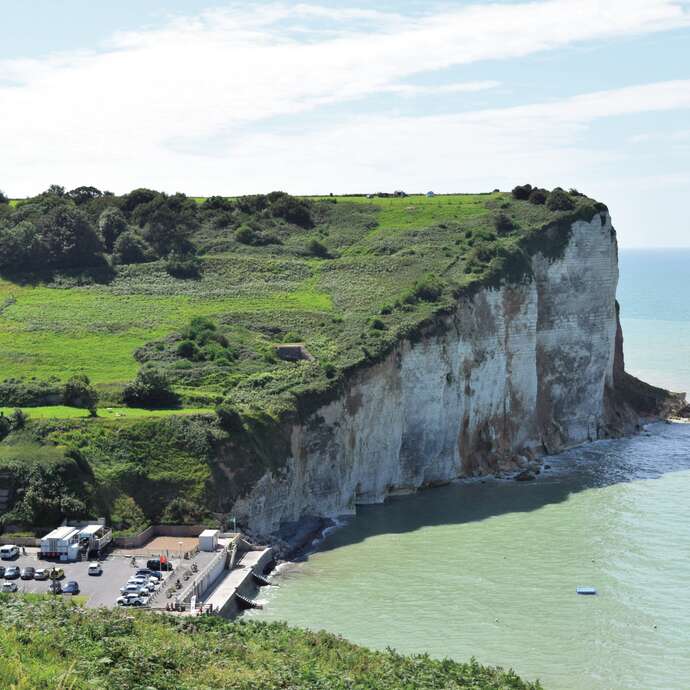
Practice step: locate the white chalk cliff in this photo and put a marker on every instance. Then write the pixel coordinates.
(514, 373)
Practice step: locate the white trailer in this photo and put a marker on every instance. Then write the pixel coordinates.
(62, 543)
(208, 540)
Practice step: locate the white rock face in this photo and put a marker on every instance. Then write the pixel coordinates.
(517, 372)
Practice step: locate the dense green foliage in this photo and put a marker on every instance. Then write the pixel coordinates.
(47, 645)
(165, 302)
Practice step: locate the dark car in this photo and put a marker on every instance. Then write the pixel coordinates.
(12, 573)
(72, 587)
(55, 587)
(146, 572)
(2, 571)
(27, 573)
(155, 564)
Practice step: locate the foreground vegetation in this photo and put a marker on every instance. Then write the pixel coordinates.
(133, 317)
(50, 645)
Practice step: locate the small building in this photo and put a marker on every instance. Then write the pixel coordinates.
(62, 543)
(208, 540)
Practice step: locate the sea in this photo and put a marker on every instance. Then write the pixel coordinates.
(489, 569)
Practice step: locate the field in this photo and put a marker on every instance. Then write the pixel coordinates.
(51, 645)
(66, 412)
(379, 248)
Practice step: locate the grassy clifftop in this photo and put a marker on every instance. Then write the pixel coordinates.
(198, 293)
(48, 645)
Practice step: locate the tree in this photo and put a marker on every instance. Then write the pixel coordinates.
(18, 419)
(151, 388)
(522, 192)
(55, 190)
(19, 246)
(130, 248)
(80, 195)
(78, 392)
(3, 198)
(504, 224)
(316, 248)
(558, 200)
(69, 238)
(538, 196)
(111, 224)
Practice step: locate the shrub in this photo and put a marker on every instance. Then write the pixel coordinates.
(378, 325)
(522, 191)
(111, 224)
(316, 248)
(3, 198)
(5, 426)
(246, 234)
(538, 197)
(181, 511)
(504, 224)
(429, 289)
(183, 265)
(151, 388)
(229, 419)
(188, 349)
(558, 200)
(130, 248)
(79, 392)
(291, 209)
(18, 419)
(127, 516)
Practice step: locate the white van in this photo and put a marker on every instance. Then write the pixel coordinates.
(8, 552)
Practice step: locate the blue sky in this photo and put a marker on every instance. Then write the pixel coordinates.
(313, 97)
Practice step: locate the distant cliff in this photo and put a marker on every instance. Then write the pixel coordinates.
(515, 372)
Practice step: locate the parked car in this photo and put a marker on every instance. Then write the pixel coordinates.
(146, 572)
(41, 574)
(72, 587)
(55, 587)
(12, 573)
(95, 569)
(8, 587)
(155, 564)
(27, 573)
(131, 600)
(9, 552)
(133, 589)
(2, 571)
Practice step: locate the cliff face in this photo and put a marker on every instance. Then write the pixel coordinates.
(514, 373)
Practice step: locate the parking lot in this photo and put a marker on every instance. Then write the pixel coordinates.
(100, 590)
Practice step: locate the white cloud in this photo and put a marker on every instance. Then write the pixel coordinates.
(122, 116)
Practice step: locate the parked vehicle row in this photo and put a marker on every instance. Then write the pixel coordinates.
(139, 588)
(14, 572)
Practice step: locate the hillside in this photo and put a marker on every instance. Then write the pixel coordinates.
(171, 305)
(49, 645)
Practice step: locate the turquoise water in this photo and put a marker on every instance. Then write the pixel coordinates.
(489, 569)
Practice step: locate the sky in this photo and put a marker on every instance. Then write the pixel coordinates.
(230, 98)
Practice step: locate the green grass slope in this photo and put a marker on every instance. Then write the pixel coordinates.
(44, 645)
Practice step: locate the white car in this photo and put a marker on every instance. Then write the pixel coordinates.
(132, 600)
(136, 590)
(95, 569)
(142, 582)
(9, 587)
